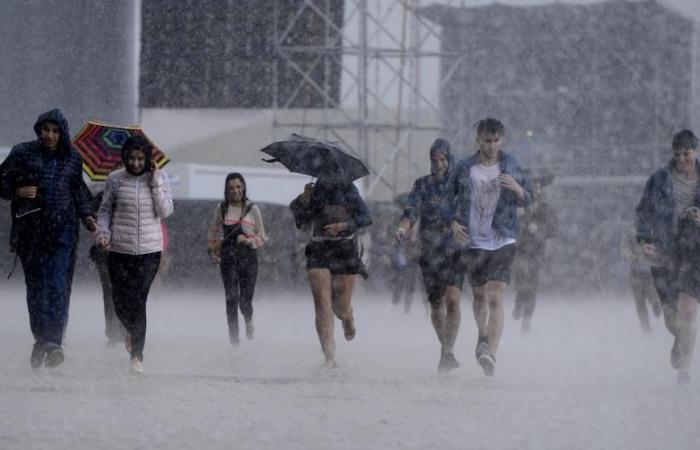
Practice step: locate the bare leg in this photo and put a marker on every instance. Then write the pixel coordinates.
(686, 321)
(480, 308)
(453, 317)
(494, 292)
(438, 312)
(320, 280)
(342, 302)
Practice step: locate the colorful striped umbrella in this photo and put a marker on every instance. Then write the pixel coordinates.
(100, 145)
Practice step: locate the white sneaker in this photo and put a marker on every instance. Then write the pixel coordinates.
(136, 365)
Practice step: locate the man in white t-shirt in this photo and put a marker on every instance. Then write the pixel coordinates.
(480, 205)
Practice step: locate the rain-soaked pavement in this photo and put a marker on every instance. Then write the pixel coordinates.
(584, 378)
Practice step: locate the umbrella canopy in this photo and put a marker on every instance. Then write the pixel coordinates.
(317, 158)
(100, 145)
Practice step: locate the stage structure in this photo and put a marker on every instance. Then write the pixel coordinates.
(393, 121)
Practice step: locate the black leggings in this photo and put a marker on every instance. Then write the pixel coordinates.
(131, 277)
(239, 272)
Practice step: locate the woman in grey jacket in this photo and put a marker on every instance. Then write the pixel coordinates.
(136, 199)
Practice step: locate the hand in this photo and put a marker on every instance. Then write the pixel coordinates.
(102, 243)
(400, 235)
(91, 224)
(650, 250)
(308, 190)
(153, 165)
(459, 232)
(244, 241)
(693, 214)
(509, 183)
(26, 191)
(333, 229)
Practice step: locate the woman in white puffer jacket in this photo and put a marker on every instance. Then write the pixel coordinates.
(136, 199)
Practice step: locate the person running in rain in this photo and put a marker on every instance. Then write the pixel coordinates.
(537, 226)
(423, 206)
(333, 212)
(43, 179)
(136, 198)
(243, 235)
(480, 203)
(641, 281)
(668, 221)
(114, 329)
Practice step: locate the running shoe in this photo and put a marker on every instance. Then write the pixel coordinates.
(349, 329)
(488, 364)
(54, 357)
(249, 329)
(675, 355)
(38, 355)
(482, 347)
(447, 362)
(136, 365)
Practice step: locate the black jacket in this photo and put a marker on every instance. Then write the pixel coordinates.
(62, 194)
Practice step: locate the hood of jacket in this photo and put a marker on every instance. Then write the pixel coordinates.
(442, 146)
(55, 116)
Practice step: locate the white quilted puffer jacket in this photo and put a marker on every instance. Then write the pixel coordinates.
(131, 211)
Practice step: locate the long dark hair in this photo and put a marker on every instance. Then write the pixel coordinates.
(235, 176)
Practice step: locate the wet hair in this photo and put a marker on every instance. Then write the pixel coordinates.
(684, 140)
(137, 143)
(235, 176)
(490, 126)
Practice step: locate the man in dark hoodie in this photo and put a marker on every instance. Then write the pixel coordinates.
(423, 207)
(47, 175)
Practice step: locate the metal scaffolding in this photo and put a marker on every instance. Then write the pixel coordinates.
(381, 69)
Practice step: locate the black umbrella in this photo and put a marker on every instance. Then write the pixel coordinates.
(316, 158)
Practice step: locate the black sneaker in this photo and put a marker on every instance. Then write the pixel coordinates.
(54, 357)
(447, 362)
(38, 355)
(482, 346)
(675, 355)
(488, 364)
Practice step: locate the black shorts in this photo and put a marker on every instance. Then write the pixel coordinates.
(341, 257)
(482, 266)
(435, 273)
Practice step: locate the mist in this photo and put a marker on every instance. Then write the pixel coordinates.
(585, 377)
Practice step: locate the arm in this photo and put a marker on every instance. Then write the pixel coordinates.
(259, 238)
(7, 169)
(361, 217)
(161, 193)
(104, 215)
(213, 240)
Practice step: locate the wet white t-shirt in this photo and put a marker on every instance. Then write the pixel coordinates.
(485, 190)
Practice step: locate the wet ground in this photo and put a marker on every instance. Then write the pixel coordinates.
(585, 377)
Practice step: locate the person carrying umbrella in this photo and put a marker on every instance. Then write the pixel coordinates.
(43, 179)
(243, 235)
(332, 211)
(136, 198)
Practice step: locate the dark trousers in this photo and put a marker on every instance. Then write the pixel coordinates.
(527, 279)
(239, 272)
(114, 330)
(48, 263)
(131, 277)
